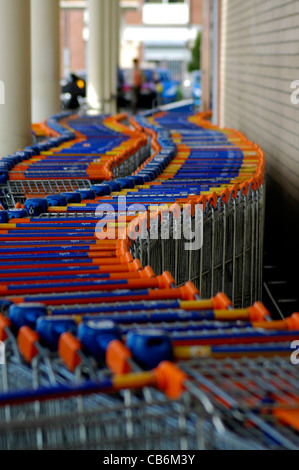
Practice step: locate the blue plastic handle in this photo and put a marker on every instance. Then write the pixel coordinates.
(7, 163)
(72, 198)
(26, 314)
(17, 213)
(17, 157)
(101, 189)
(4, 165)
(50, 330)
(145, 177)
(87, 193)
(149, 347)
(115, 186)
(36, 206)
(4, 176)
(4, 218)
(124, 183)
(11, 159)
(4, 304)
(95, 337)
(139, 180)
(60, 391)
(56, 200)
(130, 181)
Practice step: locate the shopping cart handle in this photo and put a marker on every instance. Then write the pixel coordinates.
(52, 393)
(6, 165)
(95, 337)
(114, 186)
(4, 304)
(4, 176)
(36, 206)
(26, 314)
(139, 180)
(167, 377)
(101, 189)
(50, 330)
(56, 200)
(86, 193)
(72, 198)
(126, 183)
(149, 347)
(17, 213)
(4, 218)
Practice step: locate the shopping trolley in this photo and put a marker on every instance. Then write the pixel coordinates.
(224, 406)
(50, 254)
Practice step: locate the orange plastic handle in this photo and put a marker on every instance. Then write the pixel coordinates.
(117, 355)
(221, 301)
(26, 340)
(68, 347)
(4, 323)
(258, 312)
(170, 379)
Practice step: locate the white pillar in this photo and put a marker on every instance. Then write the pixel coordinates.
(107, 53)
(114, 38)
(205, 55)
(95, 59)
(115, 51)
(45, 62)
(118, 30)
(215, 62)
(15, 76)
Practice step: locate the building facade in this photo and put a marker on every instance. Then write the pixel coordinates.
(160, 33)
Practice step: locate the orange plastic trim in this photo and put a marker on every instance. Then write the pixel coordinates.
(258, 312)
(293, 321)
(26, 340)
(68, 347)
(221, 301)
(189, 291)
(117, 355)
(170, 379)
(4, 323)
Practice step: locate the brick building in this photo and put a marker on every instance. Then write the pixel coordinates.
(160, 32)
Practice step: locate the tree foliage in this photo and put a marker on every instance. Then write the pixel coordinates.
(195, 51)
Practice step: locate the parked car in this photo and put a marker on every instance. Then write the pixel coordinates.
(73, 90)
(167, 87)
(196, 87)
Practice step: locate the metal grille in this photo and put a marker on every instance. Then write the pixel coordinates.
(33, 187)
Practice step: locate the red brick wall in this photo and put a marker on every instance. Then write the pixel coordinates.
(75, 20)
(61, 41)
(195, 11)
(134, 17)
(77, 43)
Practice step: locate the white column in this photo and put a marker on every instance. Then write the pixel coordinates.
(107, 53)
(15, 76)
(95, 59)
(118, 30)
(45, 62)
(114, 38)
(215, 62)
(205, 55)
